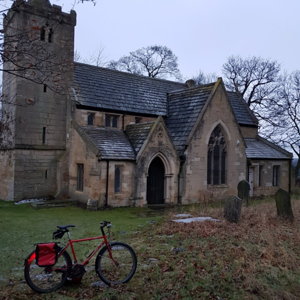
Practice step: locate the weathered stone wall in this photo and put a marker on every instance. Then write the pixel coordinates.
(249, 132)
(44, 104)
(35, 173)
(7, 175)
(7, 111)
(81, 117)
(36, 99)
(95, 176)
(125, 196)
(194, 187)
(47, 115)
(129, 119)
(264, 186)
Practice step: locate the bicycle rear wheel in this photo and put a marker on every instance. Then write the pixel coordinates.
(47, 279)
(117, 268)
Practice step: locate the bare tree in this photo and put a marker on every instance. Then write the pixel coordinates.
(283, 115)
(153, 61)
(254, 78)
(203, 78)
(97, 58)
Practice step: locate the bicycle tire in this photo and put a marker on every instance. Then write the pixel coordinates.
(121, 268)
(47, 279)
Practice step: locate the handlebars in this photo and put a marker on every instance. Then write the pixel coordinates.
(105, 224)
(58, 234)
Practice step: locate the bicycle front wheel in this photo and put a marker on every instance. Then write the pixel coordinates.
(47, 279)
(116, 264)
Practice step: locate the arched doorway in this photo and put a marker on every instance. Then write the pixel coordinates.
(156, 182)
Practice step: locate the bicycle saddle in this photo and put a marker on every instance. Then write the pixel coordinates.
(65, 227)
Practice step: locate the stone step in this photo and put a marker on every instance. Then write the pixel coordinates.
(160, 206)
(53, 203)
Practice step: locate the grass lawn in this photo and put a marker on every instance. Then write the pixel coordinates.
(258, 258)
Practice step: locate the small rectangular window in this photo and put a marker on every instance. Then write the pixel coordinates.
(107, 120)
(46, 174)
(276, 175)
(80, 177)
(260, 175)
(114, 121)
(50, 35)
(111, 120)
(43, 33)
(138, 120)
(44, 135)
(90, 118)
(118, 179)
(45, 88)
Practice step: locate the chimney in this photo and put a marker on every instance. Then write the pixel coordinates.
(190, 83)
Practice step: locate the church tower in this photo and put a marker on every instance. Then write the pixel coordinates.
(38, 63)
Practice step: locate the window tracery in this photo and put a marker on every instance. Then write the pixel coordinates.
(216, 158)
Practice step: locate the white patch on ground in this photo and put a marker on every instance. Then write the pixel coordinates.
(196, 219)
(29, 201)
(183, 216)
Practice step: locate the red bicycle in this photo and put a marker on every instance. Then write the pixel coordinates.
(48, 268)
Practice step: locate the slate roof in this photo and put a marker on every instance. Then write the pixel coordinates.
(113, 90)
(119, 91)
(138, 133)
(259, 148)
(183, 110)
(242, 112)
(112, 143)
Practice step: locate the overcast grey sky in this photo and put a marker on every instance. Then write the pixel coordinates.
(202, 33)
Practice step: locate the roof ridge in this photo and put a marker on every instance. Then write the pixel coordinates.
(198, 87)
(91, 127)
(129, 74)
(140, 124)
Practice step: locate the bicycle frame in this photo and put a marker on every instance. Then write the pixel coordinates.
(115, 262)
(71, 243)
(91, 255)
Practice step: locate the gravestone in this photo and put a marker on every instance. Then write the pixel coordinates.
(244, 190)
(92, 204)
(232, 209)
(283, 205)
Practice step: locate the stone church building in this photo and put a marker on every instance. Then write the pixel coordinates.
(122, 139)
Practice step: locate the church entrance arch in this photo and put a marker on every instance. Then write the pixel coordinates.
(156, 182)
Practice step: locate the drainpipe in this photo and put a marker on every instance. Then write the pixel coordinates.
(182, 161)
(107, 180)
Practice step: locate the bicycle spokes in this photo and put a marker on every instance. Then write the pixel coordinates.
(116, 264)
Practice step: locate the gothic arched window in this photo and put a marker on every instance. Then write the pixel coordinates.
(216, 158)
(50, 35)
(43, 33)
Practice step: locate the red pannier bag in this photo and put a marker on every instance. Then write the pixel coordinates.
(46, 254)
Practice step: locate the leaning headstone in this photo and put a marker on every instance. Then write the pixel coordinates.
(244, 190)
(283, 204)
(232, 209)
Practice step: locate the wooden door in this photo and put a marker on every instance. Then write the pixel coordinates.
(156, 182)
